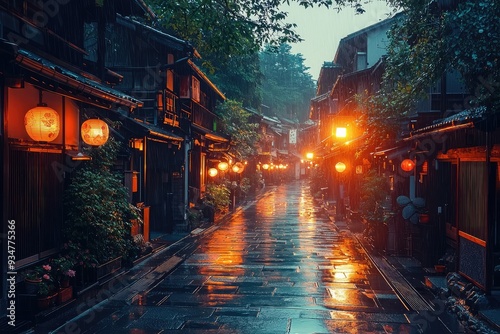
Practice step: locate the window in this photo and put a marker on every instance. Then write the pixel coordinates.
(195, 89)
(170, 73)
(473, 199)
(184, 87)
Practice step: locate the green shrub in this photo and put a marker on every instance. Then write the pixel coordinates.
(98, 212)
(218, 196)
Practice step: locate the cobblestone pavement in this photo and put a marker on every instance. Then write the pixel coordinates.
(278, 265)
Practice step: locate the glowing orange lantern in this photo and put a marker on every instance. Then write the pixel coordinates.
(42, 123)
(212, 172)
(407, 165)
(238, 167)
(340, 167)
(223, 165)
(265, 166)
(95, 132)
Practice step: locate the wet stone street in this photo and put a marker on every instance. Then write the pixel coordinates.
(278, 265)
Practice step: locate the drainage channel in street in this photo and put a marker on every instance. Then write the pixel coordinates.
(404, 290)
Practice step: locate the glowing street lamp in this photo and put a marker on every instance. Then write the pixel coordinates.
(309, 155)
(212, 172)
(341, 132)
(340, 167)
(238, 167)
(223, 166)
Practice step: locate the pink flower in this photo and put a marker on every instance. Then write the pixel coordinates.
(47, 267)
(70, 273)
(47, 277)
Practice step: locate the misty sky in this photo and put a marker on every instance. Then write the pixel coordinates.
(322, 29)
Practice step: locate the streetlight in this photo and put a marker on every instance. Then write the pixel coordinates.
(212, 172)
(341, 132)
(340, 167)
(237, 168)
(223, 166)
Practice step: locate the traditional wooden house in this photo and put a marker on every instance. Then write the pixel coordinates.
(454, 166)
(65, 63)
(356, 71)
(150, 60)
(47, 91)
(198, 98)
(456, 172)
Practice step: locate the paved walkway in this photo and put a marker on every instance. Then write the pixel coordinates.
(277, 265)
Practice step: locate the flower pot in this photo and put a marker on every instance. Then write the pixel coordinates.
(31, 285)
(46, 302)
(100, 271)
(64, 294)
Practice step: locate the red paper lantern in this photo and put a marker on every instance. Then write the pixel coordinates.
(95, 132)
(407, 165)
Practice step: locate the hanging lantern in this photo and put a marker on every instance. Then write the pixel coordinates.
(238, 167)
(223, 166)
(265, 166)
(95, 132)
(407, 165)
(212, 172)
(340, 167)
(42, 123)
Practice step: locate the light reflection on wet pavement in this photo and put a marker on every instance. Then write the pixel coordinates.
(280, 266)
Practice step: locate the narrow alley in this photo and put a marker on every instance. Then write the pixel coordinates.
(277, 265)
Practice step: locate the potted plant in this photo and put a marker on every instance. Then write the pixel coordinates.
(99, 219)
(32, 279)
(63, 270)
(218, 196)
(46, 291)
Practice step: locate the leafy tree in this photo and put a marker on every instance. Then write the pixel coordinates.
(230, 27)
(240, 79)
(287, 88)
(439, 36)
(429, 40)
(235, 122)
(230, 33)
